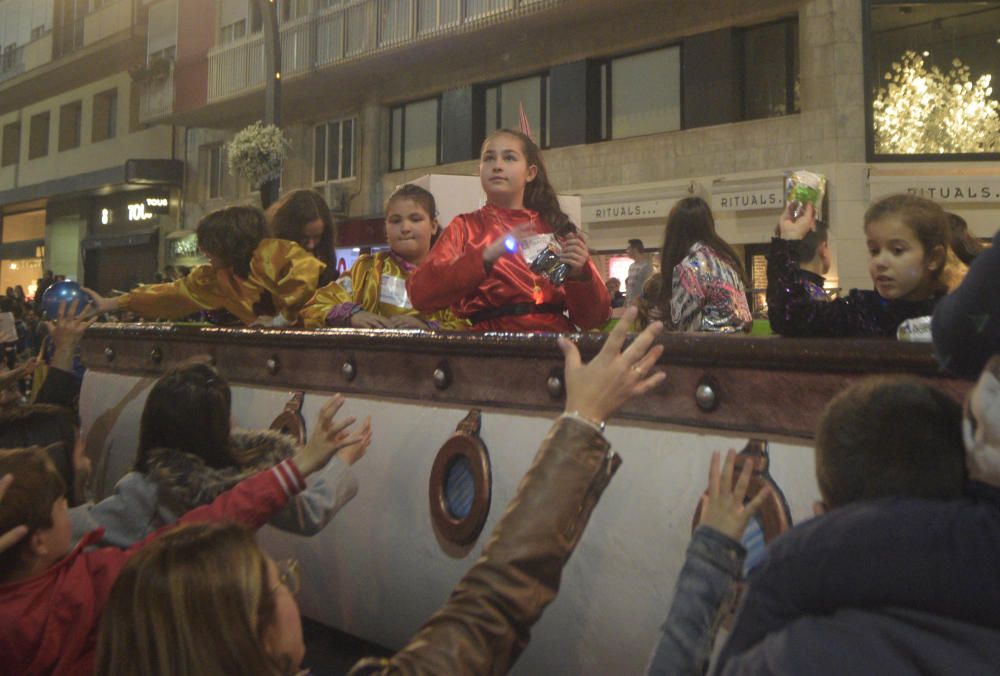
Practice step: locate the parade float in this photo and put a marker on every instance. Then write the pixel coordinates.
(428, 498)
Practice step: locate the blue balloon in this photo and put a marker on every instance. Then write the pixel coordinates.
(64, 292)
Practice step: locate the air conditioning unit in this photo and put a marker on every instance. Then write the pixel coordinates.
(336, 197)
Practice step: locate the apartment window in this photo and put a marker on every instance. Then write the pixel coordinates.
(38, 136)
(11, 144)
(641, 94)
(333, 150)
(68, 26)
(212, 158)
(770, 76)
(293, 9)
(70, 116)
(105, 121)
(503, 104)
(415, 134)
(233, 31)
(434, 14)
(930, 70)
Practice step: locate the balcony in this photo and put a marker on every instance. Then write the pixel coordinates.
(156, 96)
(352, 30)
(11, 63)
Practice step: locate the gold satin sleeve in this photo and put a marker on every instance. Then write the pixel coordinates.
(314, 312)
(445, 319)
(174, 300)
(288, 272)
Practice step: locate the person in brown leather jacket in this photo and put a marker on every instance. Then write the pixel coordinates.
(486, 623)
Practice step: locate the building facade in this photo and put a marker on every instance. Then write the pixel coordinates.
(636, 104)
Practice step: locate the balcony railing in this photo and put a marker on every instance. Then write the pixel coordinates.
(11, 63)
(351, 30)
(156, 97)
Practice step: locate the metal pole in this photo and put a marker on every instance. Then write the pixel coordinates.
(272, 83)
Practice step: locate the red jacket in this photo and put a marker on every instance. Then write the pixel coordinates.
(48, 624)
(454, 276)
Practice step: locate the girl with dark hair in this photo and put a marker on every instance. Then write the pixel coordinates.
(373, 295)
(908, 250)
(303, 217)
(707, 288)
(259, 280)
(477, 268)
(188, 455)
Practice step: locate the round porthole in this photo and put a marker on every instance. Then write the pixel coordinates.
(460, 484)
(290, 420)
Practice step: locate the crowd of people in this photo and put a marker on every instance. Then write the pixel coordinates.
(896, 573)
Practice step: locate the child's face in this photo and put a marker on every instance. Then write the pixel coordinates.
(312, 234)
(897, 263)
(504, 170)
(409, 229)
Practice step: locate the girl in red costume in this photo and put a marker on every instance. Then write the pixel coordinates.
(473, 270)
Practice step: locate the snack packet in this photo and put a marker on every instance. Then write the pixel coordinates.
(802, 187)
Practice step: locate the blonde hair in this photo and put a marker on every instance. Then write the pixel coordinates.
(196, 601)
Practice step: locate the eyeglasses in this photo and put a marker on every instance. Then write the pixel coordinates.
(288, 575)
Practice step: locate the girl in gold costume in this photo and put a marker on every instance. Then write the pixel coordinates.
(373, 294)
(260, 280)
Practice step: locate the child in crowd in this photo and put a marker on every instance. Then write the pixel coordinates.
(966, 323)
(251, 624)
(884, 441)
(188, 455)
(478, 268)
(891, 586)
(707, 289)
(202, 599)
(51, 598)
(815, 260)
(374, 294)
(908, 250)
(965, 246)
(257, 279)
(303, 217)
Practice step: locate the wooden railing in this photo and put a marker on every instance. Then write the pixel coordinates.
(354, 29)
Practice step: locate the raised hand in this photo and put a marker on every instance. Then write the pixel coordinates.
(353, 446)
(498, 246)
(575, 254)
(100, 304)
(601, 387)
(325, 440)
(797, 228)
(722, 507)
(66, 332)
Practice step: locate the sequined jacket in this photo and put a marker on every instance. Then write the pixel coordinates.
(375, 284)
(283, 276)
(794, 312)
(708, 294)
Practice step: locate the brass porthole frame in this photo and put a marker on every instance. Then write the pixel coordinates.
(465, 443)
(290, 421)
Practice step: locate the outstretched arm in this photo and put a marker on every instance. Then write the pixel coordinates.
(486, 623)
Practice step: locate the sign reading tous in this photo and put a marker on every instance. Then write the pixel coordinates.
(944, 189)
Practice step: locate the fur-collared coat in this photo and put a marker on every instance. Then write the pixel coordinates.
(178, 482)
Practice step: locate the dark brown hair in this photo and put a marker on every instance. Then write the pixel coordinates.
(810, 243)
(925, 218)
(232, 235)
(289, 216)
(187, 409)
(29, 500)
(422, 198)
(690, 221)
(965, 246)
(539, 195)
(890, 436)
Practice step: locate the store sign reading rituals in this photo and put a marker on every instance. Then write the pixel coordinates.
(627, 210)
(948, 189)
(748, 200)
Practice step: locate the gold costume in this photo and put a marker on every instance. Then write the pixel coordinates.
(376, 284)
(283, 276)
